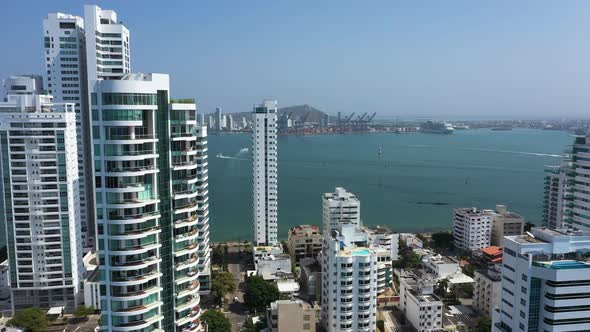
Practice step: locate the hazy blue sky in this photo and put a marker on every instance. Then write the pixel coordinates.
(416, 58)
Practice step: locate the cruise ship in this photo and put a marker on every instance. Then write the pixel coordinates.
(432, 127)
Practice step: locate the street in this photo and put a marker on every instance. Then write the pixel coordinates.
(237, 311)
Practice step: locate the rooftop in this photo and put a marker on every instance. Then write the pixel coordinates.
(492, 251)
(305, 230)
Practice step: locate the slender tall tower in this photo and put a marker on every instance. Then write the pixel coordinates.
(40, 205)
(107, 44)
(264, 158)
(65, 79)
(218, 119)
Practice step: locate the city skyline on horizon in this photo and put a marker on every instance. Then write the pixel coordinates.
(509, 60)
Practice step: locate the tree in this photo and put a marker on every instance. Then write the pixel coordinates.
(216, 321)
(484, 324)
(83, 311)
(30, 319)
(222, 283)
(260, 293)
(217, 255)
(442, 240)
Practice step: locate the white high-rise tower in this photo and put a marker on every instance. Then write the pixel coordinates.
(65, 79)
(107, 44)
(264, 157)
(40, 205)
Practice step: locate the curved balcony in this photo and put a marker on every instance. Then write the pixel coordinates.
(133, 155)
(133, 218)
(190, 290)
(191, 262)
(135, 265)
(190, 207)
(193, 314)
(136, 310)
(194, 301)
(135, 234)
(139, 324)
(195, 326)
(188, 277)
(190, 221)
(185, 165)
(126, 188)
(189, 136)
(135, 280)
(131, 203)
(130, 139)
(130, 171)
(186, 193)
(190, 248)
(190, 235)
(186, 178)
(137, 295)
(189, 151)
(136, 250)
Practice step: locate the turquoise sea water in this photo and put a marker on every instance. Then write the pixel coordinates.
(413, 186)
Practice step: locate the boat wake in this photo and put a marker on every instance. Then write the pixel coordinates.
(539, 154)
(221, 156)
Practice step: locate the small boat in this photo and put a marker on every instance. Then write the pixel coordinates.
(380, 152)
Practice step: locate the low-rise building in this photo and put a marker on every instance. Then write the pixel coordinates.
(273, 267)
(304, 241)
(259, 252)
(291, 316)
(440, 266)
(487, 289)
(472, 228)
(490, 255)
(422, 308)
(505, 223)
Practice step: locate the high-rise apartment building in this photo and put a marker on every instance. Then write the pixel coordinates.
(40, 205)
(66, 81)
(264, 176)
(472, 228)
(350, 266)
(545, 277)
(339, 206)
(557, 194)
(107, 44)
(218, 119)
(349, 280)
(151, 205)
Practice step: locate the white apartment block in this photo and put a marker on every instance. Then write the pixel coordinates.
(107, 44)
(545, 282)
(422, 308)
(66, 80)
(487, 289)
(264, 157)
(40, 204)
(339, 206)
(440, 266)
(349, 280)
(151, 205)
(472, 228)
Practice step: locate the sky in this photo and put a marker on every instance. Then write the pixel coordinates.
(438, 59)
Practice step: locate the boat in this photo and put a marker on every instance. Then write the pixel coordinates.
(460, 127)
(431, 127)
(502, 128)
(380, 151)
